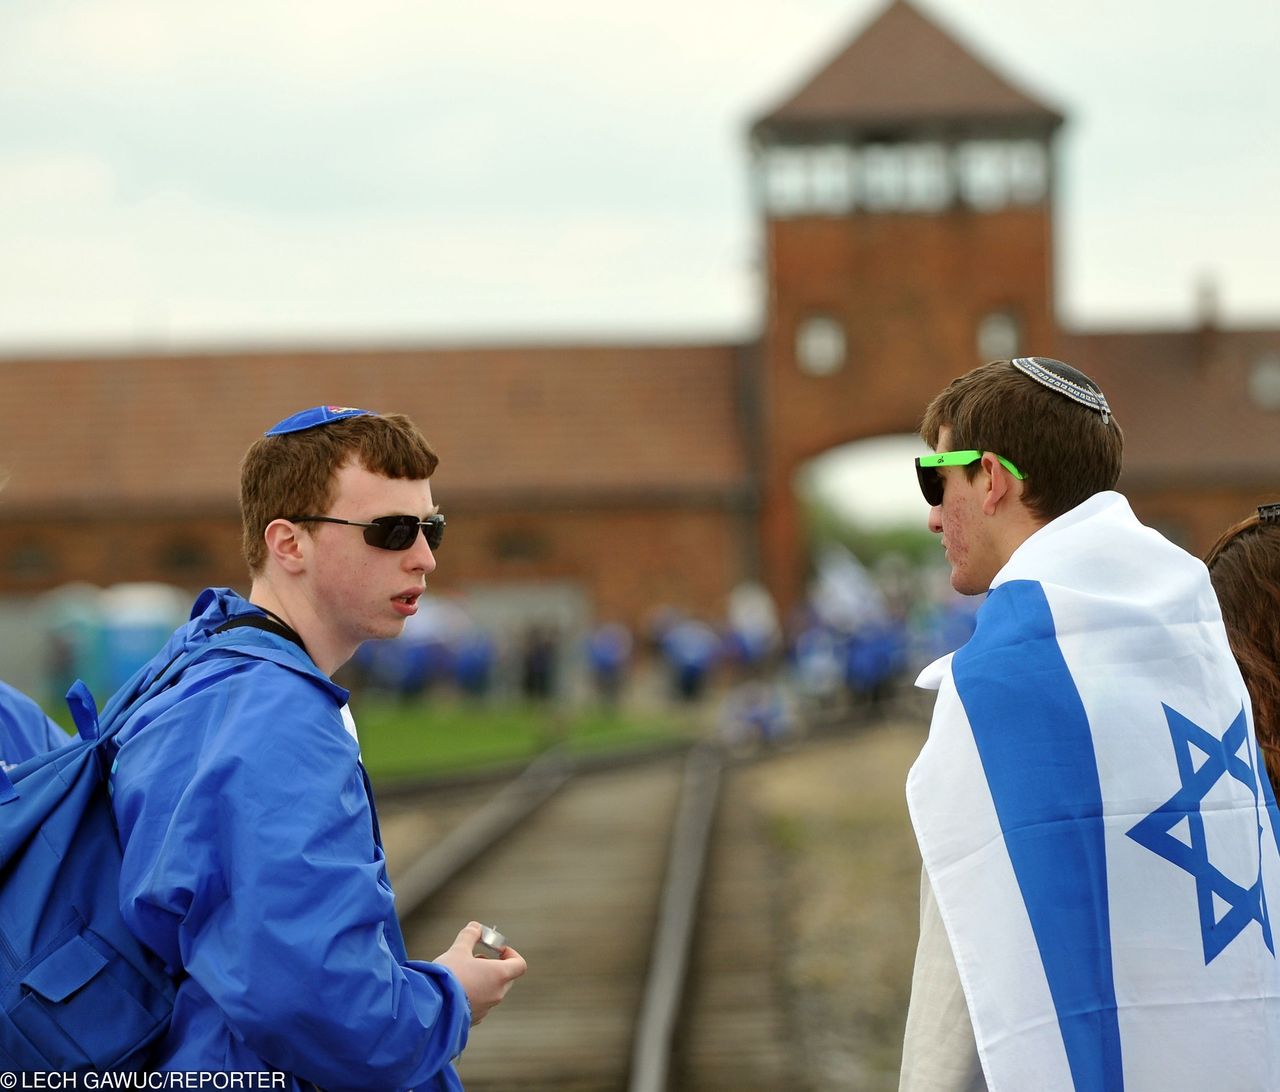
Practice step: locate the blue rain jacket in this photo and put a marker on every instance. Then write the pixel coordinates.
(253, 867)
(25, 731)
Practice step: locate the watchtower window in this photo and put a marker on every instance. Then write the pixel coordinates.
(889, 176)
(926, 177)
(999, 336)
(786, 180)
(831, 179)
(995, 173)
(982, 178)
(883, 182)
(820, 345)
(1028, 172)
(1264, 381)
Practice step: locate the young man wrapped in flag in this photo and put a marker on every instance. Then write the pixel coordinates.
(1100, 841)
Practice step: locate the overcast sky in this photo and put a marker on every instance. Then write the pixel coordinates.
(178, 174)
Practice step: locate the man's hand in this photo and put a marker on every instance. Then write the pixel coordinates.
(485, 981)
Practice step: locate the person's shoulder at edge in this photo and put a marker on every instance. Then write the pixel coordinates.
(25, 729)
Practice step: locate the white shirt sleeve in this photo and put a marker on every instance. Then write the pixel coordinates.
(349, 723)
(939, 1053)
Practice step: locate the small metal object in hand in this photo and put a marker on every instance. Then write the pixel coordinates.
(491, 943)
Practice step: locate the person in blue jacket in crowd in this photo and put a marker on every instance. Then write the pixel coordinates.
(252, 863)
(25, 731)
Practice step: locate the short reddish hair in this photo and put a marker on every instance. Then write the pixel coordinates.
(292, 474)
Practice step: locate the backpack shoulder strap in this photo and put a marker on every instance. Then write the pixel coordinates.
(268, 622)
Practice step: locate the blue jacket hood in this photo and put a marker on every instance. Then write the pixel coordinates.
(213, 608)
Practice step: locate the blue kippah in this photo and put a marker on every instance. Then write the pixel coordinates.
(315, 417)
(1064, 379)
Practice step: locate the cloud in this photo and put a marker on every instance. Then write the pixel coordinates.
(292, 165)
(169, 269)
(54, 182)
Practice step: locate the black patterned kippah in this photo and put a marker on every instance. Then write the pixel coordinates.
(1269, 513)
(1064, 379)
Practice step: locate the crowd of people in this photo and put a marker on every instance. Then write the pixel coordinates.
(823, 658)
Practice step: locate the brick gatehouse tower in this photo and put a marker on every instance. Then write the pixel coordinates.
(906, 192)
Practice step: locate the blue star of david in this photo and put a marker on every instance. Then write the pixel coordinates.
(1245, 904)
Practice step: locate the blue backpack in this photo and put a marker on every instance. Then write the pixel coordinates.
(79, 991)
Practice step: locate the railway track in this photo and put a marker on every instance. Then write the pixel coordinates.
(640, 896)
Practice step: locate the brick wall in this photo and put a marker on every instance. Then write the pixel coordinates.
(627, 559)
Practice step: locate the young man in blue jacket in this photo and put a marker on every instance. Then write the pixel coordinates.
(252, 863)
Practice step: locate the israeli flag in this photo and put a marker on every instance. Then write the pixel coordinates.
(1097, 825)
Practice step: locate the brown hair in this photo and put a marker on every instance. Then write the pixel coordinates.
(1244, 565)
(293, 474)
(1067, 451)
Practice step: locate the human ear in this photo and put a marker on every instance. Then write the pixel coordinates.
(285, 545)
(999, 484)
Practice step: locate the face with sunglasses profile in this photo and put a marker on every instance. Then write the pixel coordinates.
(964, 490)
(357, 571)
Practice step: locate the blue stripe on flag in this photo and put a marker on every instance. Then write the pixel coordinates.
(1037, 752)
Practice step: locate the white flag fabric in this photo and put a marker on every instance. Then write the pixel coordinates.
(1097, 825)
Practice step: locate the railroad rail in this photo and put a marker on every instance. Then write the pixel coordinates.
(640, 896)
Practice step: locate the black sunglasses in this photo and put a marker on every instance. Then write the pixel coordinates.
(389, 532)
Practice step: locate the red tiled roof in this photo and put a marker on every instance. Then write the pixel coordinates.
(1184, 402)
(160, 431)
(904, 69)
(530, 422)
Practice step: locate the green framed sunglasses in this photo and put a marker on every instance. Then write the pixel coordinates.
(931, 481)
